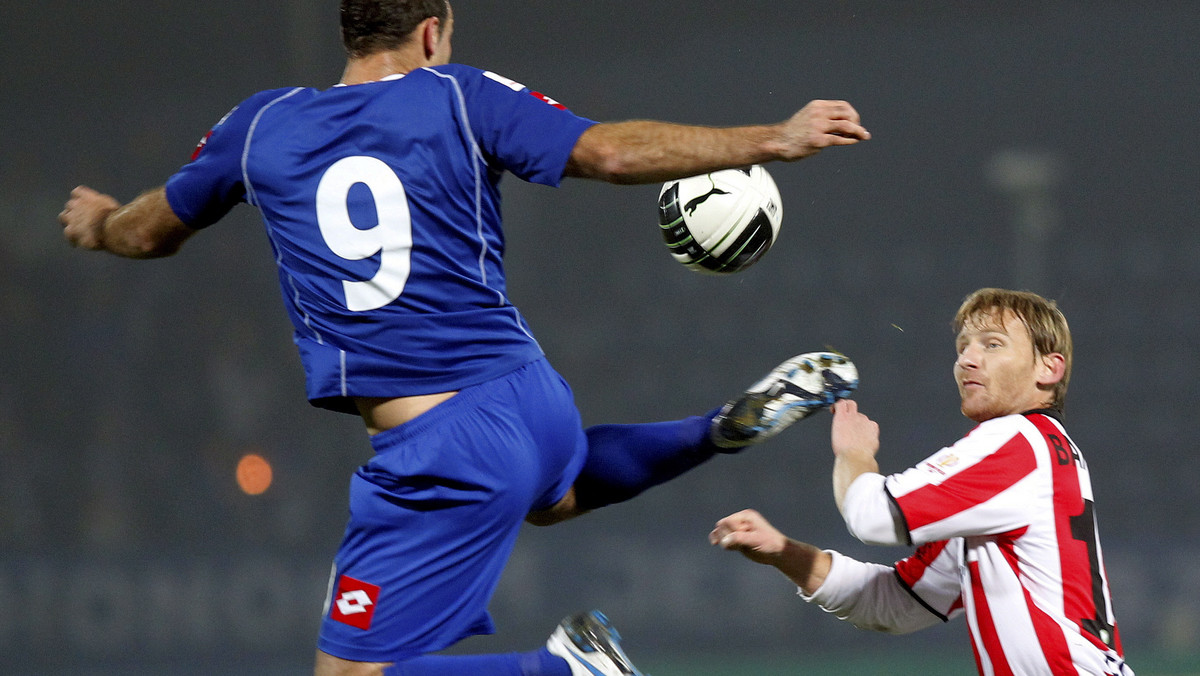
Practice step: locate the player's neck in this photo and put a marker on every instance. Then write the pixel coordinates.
(379, 65)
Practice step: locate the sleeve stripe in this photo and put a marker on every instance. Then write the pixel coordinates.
(916, 597)
(900, 513)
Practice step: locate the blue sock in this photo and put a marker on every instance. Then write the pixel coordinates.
(624, 460)
(536, 663)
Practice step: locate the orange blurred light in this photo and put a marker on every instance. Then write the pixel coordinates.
(254, 474)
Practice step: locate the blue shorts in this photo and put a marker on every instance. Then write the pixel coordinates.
(435, 513)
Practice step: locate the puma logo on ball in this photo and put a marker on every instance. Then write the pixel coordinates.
(690, 207)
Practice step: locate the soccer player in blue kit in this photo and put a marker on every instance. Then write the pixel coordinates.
(380, 199)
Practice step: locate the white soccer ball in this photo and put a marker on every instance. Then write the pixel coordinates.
(721, 222)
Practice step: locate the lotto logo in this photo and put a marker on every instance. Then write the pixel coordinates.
(354, 602)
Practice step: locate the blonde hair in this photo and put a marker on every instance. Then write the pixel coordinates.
(1048, 330)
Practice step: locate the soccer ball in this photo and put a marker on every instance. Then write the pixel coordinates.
(721, 222)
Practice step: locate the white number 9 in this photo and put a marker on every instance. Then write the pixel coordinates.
(391, 237)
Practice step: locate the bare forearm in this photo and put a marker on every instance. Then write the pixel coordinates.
(643, 151)
(804, 564)
(144, 228)
(749, 533)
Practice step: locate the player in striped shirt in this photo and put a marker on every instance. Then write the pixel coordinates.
(1003, 519)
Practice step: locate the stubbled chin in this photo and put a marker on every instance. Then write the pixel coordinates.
(972, 408)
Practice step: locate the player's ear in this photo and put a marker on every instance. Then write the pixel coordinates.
(1051, 369)
(431, 35)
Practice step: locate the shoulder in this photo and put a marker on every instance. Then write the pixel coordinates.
(268, 97)
(980, 445)
(244, 112)
(480, 80)
(1009, 432)
(467, 78)
(225, 138)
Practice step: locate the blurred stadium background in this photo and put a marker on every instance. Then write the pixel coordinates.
(1046, 145)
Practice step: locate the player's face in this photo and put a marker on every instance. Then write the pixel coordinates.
(996, 370)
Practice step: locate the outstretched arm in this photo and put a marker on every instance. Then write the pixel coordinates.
(868, 595)
(143, 228)
(642, 151)
(751, 534)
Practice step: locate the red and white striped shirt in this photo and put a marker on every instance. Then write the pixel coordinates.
(1006, 535)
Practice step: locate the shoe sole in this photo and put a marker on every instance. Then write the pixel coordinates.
(792, 391)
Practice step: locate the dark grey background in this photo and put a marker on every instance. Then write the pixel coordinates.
(1043, 145)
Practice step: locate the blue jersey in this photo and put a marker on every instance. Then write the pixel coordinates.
(382, 205)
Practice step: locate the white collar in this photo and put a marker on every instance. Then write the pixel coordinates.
(393, 76)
